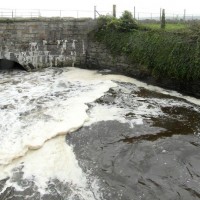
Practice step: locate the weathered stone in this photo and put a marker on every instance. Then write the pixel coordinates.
(99, 57)
(47, 42)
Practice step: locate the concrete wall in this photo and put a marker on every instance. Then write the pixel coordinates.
(45, 42)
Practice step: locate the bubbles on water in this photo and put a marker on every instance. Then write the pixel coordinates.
(39, 106)
(49, 103)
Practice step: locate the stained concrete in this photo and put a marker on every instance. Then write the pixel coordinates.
(43, 43)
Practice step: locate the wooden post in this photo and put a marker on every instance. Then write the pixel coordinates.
(160, 14)
(163, 19)
(95, 12)
(114, 11)
(184, 16)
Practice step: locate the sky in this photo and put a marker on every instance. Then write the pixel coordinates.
(147, 6)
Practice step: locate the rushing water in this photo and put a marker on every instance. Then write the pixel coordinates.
(67, 133)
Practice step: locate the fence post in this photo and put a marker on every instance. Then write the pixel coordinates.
(134, 12)
(114, 11)
(60, 13)
(12, 13)
(95, 12)
(160, 14)
(184, 16)
(163, 19)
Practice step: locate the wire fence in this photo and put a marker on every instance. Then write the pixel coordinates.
(39, 13)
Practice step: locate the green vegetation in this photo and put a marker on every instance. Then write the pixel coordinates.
(173, 54)
(168, 26)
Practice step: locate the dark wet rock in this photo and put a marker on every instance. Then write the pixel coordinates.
(162, 169)
(155, 160)
(8, 193)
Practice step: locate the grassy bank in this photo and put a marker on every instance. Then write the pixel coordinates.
(173, 53)
(169, 26)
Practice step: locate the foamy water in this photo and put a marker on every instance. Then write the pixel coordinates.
(40, 106)
(38, 109)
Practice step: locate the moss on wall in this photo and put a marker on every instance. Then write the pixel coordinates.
(174, 54)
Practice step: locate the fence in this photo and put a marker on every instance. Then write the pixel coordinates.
(37, 13)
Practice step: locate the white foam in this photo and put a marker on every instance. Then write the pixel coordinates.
(65, 114)
(172, 93)
(55, 160)
(121, 78)
(42, 105)
(140, 112)
(105, 113)
(49, 106)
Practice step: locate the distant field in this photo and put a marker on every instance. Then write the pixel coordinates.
(169, 26)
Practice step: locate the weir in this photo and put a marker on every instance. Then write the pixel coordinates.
(47, 42)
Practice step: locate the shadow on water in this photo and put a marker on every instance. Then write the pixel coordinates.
(6, 65)
(182, 121)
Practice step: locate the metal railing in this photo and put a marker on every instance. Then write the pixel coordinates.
(37, 13)
(168, 16)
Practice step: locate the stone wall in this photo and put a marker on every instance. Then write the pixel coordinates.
(45, 42)
(99, 57)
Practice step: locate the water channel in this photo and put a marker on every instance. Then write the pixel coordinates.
(74, 134)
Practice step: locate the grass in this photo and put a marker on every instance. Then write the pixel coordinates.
(173, 53)
(169, 26)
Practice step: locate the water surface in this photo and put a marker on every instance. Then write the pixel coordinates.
(67, 133)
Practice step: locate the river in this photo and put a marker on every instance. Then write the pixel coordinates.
(74, 134)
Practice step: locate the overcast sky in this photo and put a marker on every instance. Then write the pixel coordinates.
(151, 6)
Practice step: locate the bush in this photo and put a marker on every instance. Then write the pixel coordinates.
(170, 54)
(174, 54)
(103, 21)
(125, 23)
